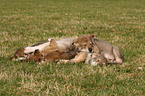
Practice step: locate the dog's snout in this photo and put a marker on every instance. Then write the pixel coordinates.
(39, 59)
(90, 50)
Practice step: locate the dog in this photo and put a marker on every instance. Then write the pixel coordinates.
(60, 55)
(44, 47)
(93, 58)
(112, 53)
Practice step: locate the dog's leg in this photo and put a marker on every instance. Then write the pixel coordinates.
(118, 55)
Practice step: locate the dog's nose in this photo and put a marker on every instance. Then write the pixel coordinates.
(90, 49)
(39, 59)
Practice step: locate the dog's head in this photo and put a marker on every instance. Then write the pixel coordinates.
(85, 43)
(51, 56)
(98, 59)
(19, 54)
(34, 56)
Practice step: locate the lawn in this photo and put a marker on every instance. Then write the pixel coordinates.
(119, 22)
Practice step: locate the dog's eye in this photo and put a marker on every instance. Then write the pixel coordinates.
(98, 60)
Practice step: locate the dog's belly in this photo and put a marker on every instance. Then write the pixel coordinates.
(32, 49)
(62, 44)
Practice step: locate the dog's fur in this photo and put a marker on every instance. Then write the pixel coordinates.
(112, 53)
(62, 44)
(85, 44)
(34, 57)
(89, 58)
(60, 54)
(44, 47)
(19, 53)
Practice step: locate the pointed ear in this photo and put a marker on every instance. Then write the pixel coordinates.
(36, 51)
(53, 43)
(96, 50)
(75, 40)
(92, 36)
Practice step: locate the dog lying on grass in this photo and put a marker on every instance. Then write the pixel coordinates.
(95, 51)
(112, 53)
(55, 50)
(43, 47)
(52, 56)
(93, 58)
(60, 54)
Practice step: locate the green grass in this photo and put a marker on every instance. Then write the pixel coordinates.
(25, 22)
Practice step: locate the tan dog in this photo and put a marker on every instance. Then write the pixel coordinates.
(44, 47)
(60, 54)
(88, 58)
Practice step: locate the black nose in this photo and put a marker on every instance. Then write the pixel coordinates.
(90, 49)
(39, 59)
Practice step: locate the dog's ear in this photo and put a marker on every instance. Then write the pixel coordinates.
(75, 41)
(53, 43)
(92, 35)
(37, 52)
(96, 50)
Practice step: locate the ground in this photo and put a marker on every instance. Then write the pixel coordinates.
(119, 22)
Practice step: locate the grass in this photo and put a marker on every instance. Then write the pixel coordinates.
(25, 22)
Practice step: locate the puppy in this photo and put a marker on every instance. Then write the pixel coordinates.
(89, 58)
(60, 54)
(112, 53)
(62, 44)
(44, 47)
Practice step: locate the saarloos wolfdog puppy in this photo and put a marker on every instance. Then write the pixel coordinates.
(52, 56)
(60, 55)
(44, 47)
(112, 53)
(106, 51)
(93, 58)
